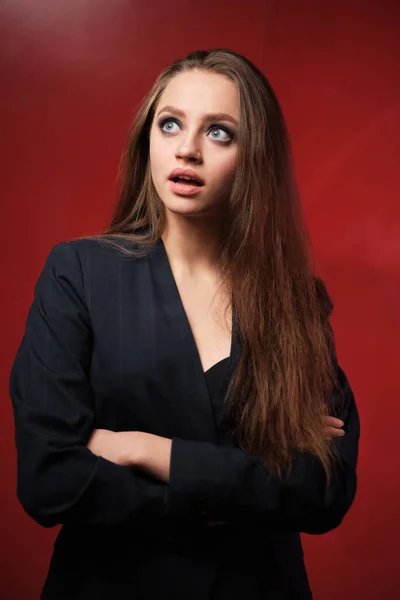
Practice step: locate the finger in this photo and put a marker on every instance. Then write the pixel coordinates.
(334, 432)
(333, 421)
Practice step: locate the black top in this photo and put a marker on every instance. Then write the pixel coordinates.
(108, 346)
(214, 378)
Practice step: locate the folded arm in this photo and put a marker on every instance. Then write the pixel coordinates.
(224, 483)
(58, 478)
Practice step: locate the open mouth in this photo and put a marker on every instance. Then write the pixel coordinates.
(187, 181)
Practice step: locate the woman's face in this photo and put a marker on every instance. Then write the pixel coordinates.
(194, 127)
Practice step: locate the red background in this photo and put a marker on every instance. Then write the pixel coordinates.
(72, 73)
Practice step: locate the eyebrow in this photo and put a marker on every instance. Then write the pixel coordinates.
(208, 117)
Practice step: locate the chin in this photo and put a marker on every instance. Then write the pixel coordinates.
(188, 211)
(185, 206)
(190, 206)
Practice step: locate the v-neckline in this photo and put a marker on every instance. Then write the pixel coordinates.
(187, 322)
(226, 359)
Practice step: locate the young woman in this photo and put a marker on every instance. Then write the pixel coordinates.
(178, 404)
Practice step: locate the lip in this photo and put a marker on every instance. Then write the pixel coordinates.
(185, 189)
(186, 173)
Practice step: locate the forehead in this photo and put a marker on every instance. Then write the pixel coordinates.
(198, 92)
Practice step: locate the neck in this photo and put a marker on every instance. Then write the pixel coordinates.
(193, 244)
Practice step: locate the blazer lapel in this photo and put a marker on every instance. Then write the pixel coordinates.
(185, 380)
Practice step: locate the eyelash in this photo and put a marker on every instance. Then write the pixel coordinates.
(162, 122)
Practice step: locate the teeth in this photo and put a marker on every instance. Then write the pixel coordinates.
(187, 178)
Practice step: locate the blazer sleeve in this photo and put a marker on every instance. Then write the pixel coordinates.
(58, 478)
(227, 484)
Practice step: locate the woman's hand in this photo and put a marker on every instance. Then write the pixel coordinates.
(151, 453)
(155, 456)
(123, 448)
(333, 427)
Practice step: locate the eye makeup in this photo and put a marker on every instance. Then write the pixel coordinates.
(163, 121)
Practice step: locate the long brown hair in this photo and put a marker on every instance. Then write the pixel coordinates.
(284, 380)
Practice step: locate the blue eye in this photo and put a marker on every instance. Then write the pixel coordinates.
(167, 122)
(216, 128)
(166, 126)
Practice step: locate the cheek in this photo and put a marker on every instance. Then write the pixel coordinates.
(226, 172)
(156, 160)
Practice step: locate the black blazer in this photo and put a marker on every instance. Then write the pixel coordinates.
(108, 345)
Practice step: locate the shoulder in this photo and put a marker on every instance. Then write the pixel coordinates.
(90, 251)
(95, 264)
(86, 270)
(83, 259)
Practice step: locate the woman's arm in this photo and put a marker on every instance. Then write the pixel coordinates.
(58, 478)
(152, 453)
(223, 483)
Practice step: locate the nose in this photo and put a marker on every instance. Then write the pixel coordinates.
(189, 149)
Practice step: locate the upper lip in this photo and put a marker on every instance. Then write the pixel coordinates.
(186, 173)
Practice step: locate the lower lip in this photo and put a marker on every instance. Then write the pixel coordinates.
(185, 189)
